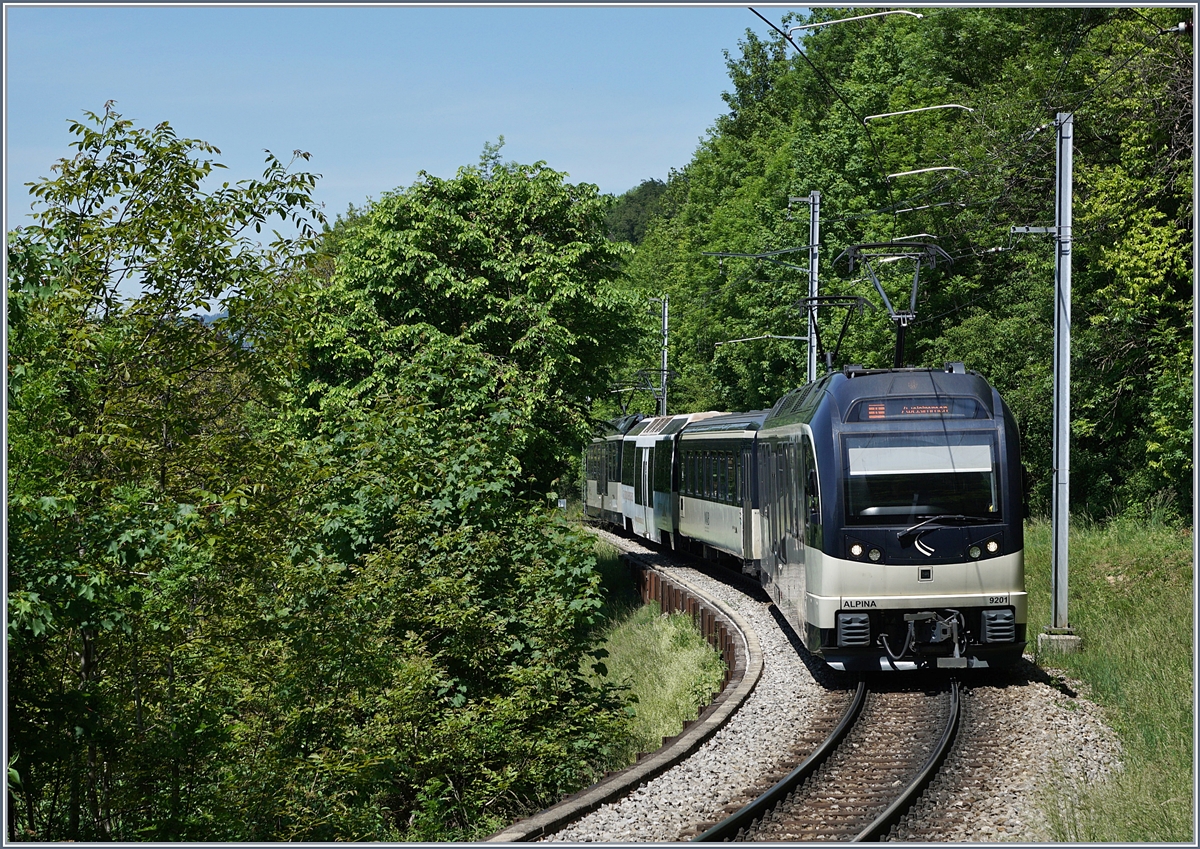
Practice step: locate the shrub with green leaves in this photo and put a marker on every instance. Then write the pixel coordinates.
(290, 575)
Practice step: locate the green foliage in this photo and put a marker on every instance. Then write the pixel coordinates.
(796, 124)
(507, 259)
(236, 617)
(137, 500)
(631, 212)
(669, 669)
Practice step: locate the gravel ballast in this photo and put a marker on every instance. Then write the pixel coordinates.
(1026, 729)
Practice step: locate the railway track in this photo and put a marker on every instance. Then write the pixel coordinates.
(861, 780)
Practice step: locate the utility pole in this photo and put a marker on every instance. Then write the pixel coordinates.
(814, 239)
(1059, 635)
(1060, 631)
(665, 300)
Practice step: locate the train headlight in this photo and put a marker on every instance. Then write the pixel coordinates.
(974, 552)
(857, 549)
(993, 546)
(874, 554)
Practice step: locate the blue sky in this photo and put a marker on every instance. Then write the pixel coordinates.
(377, 93)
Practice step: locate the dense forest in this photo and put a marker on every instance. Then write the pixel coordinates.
(295, 573)
(797, 123)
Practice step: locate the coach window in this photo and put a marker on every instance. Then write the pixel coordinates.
(662, 466)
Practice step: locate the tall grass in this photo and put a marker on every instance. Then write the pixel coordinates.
(670, 669)
(1130, 599)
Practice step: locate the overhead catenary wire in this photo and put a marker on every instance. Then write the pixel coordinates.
(1019, 175)
(833, 88)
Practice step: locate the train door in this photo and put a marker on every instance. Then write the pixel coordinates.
(765, 496)
(780, 511)
(745, 502)
(790, 577)
(661, 502)
(628, 488)
(643, 522)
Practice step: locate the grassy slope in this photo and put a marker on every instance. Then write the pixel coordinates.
(670, 669)
(1130, 599)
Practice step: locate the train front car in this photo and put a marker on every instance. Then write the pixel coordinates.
(892, 526)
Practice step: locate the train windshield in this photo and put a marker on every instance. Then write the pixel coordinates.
(893, 478)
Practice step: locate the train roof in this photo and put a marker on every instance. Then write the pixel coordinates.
(855, 383)
(954, 380)
(727, 422)
(617, 427)
(670, 424)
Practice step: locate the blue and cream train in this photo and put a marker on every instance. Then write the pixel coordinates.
(882, 510)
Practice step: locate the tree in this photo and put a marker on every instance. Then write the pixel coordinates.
(143, 513)
(631, 212)
(510, 259)
(797, 123)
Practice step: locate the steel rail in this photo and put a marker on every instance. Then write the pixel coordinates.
(728, 828)
(883, 823)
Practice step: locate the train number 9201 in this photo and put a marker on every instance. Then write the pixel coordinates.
(997, 599)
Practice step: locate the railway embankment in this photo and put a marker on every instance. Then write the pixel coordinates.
(1023, 732)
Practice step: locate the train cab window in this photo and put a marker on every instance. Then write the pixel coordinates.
(811, 496)
(892, 478)
(731, 479)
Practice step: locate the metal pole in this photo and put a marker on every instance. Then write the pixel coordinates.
(662, 401)
(1062, 372)
(814, 239)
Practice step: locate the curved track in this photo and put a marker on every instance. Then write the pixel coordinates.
(862, 779)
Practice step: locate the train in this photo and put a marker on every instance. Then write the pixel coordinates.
(882, 510)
